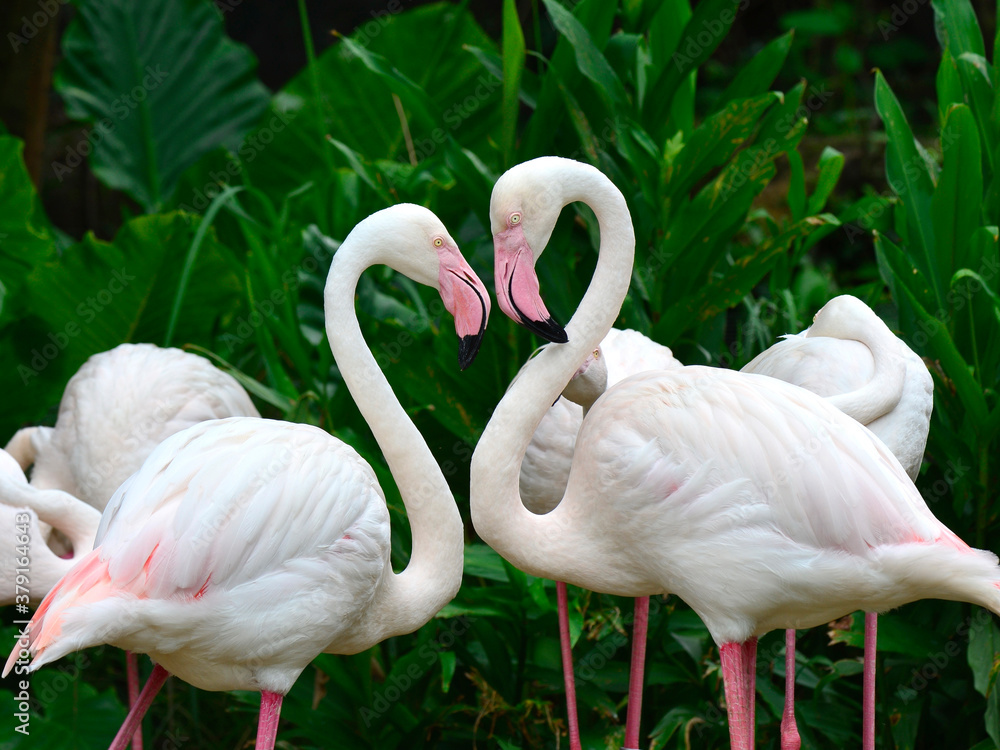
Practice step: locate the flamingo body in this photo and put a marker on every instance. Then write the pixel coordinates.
(238, 516)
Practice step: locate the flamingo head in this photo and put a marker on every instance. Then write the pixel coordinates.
(414, 242)
(524, 207)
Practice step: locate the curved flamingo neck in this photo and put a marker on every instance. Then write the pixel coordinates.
(407, 600)
(882, 393)
(544, 545)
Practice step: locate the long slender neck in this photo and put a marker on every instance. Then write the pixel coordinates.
(882, 393)
(407, 600)
(542, 544)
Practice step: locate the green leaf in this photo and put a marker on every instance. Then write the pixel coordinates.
(513, 65)
(796, 185)
(161, 85)
(975, 75)
(448, 661)
(25, 238)
(955, 216)
(704, 31)
(910, 177)
(957, 28)
(984, 653)
(949, 85)
(715, 141)
(831, 164)
(756, 76)
(589, 58)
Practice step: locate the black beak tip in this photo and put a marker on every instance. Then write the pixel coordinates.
(468, 348)
(548, 329)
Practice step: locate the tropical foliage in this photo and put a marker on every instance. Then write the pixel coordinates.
(238, 199)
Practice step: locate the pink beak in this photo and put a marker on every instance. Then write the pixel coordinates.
(517, 285)
(466, 298)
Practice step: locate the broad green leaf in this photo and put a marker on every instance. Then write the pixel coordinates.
(957, 28)
(513, 65)
(955, 216)
(784, 124)
(161, 86)
(909, 176)
(100, 294)
(462, 99)
(831, 164)
(757, 75)
(25, 238)
(589, 58)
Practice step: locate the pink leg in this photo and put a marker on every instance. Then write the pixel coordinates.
(749, 648)
(562, 601)
(789, 731)
(138, 710)
(635, 676)
(868, 710)
(132, 677)
(737, 701)
(267, 728)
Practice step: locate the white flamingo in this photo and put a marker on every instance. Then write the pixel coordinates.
(758, 503)
(114, 411)
(545, 472)
(850, 357)
(29, 568)
(243, 547)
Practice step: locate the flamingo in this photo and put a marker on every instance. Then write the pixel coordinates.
(115, 410)
(757, 502)
(76, 520)
(850, 357)
(545, 471)
(242, 547)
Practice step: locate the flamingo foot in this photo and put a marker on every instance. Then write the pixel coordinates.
(139, 708)
(132, 677)
(562, 602)
(789, 730)
(868, 710)
(639, 628)
(267, 727)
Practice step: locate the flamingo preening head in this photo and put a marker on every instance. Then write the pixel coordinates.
(242, 548)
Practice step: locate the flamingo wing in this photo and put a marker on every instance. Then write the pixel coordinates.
(227, 525)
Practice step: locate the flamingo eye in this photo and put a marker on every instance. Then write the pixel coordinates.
(515, 219)
(438, 242)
